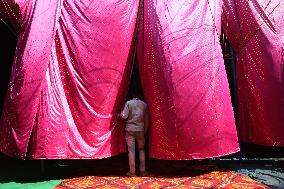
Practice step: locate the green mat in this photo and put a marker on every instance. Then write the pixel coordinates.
(35, 185)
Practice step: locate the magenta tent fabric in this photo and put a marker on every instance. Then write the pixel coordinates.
(184, 80)
(73, 64)
(255, 31)
(69, 79)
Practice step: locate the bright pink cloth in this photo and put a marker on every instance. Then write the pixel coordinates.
(69, 79)
(184, 80)
(255, 31)
(72, 69)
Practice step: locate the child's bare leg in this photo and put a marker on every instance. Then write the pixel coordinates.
(141, 146)
(130, 140)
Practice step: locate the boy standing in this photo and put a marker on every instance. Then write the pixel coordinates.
(135, 113)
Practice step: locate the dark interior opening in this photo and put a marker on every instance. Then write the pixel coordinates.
(135, 81)
(8, 41)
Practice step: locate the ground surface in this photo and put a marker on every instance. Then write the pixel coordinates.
(266, 167)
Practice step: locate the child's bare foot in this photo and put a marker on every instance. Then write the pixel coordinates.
(144, 174)
(129, 174)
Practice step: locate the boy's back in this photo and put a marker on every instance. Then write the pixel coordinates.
(136, 115)
(134, 111)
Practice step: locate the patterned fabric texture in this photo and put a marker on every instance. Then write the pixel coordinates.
(215, 179)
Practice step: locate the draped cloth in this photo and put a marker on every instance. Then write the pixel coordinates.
(69, 79)
(184, 80)
(255, 31)
(73, 64)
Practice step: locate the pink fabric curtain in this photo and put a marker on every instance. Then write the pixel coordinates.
(255, 31)
(184, 80)
(69, 79)
(72, 69)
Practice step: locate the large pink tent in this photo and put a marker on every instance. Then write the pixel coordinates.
(72, 69)
(69, 79)
(255, 30)
(184, 80)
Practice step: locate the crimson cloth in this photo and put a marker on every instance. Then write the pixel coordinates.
(69, 79)
(184, 80)
(72, 69)
(255, 31)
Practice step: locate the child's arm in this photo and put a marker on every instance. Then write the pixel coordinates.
(125, 112)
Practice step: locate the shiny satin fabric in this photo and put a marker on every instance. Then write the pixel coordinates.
(71, 73)
(255, 31)
(69, 79)
(184, 80)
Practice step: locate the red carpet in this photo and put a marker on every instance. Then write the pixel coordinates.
(216, 179)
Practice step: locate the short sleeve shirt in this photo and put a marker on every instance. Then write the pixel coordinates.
(134, 111)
